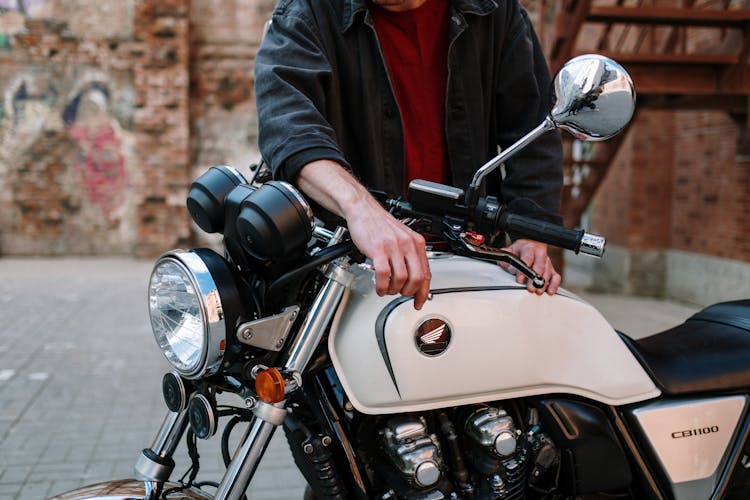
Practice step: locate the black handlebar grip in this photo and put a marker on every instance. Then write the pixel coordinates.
(542, 231)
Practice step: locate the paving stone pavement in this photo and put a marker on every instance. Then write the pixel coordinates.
(80, 378)
(80, 382)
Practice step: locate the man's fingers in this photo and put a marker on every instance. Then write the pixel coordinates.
(534, 254)
(554, 283)
(382, 274)
(545, 271)
(422, 295)
(539, 265)
(548, 274)
(418, 284)
(528, 256)
(399, 273)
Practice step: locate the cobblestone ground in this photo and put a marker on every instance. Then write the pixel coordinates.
(80, 378)
(80, 382)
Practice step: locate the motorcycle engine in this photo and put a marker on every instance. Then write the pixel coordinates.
(470, 452)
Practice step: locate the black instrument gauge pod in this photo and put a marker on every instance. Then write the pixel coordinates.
(274, 222)
(205, 201)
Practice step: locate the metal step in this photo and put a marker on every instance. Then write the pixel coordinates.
(673, 58)
(670, 16)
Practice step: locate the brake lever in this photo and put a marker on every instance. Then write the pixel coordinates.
(481, 251)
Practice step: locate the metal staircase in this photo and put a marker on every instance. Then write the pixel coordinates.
(681, 54)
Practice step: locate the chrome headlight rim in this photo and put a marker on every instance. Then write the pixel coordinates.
(211, 310)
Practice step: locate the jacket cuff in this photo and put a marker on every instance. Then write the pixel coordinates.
(291, 167)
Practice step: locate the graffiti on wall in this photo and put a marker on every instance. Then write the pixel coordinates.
(66, 154)
(25, 97)
(89, 19)
(28, 101)
(99, 159)
(26, 7)
(13, 14)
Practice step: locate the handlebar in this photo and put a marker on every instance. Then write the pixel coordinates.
(443, 207)
(576, 240)
(445, 204)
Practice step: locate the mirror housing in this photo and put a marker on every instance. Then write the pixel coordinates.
(594, 100)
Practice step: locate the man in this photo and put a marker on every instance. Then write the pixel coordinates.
(355, 93)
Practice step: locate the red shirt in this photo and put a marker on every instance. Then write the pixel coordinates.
(415, 46)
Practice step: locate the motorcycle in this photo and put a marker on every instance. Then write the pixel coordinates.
(487, 392)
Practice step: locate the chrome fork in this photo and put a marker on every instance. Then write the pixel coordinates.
(268, 417)
(155, 464)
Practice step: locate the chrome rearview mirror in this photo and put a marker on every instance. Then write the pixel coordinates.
(594, 100)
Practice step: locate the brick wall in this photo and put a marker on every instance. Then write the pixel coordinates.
(110, 108)
(633, 205)
(224, 38)
(677, 183)
(711, 188)
(161, 123)
(94, 134)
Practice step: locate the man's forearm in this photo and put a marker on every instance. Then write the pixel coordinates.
(332, 186)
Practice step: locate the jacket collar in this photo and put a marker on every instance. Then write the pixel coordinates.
(352, 8)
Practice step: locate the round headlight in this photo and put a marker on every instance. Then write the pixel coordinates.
(189, 311)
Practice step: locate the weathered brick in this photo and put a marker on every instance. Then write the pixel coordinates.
(179, 97)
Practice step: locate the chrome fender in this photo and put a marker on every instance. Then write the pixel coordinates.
(127, 489)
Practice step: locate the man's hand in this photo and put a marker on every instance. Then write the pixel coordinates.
(397, 253)
(534, 254)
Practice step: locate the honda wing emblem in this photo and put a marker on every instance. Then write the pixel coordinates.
(433, 337)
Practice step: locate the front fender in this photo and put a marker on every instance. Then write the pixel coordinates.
(127, 489)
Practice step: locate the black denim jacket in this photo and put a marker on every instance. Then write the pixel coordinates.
(323, 92)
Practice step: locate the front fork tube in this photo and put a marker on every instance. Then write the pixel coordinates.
(155, 464)
(268, 417)
(247, 457)
(170, 433)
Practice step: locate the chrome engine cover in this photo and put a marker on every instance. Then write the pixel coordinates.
(411, 449)
(482, 337)
(493, 429)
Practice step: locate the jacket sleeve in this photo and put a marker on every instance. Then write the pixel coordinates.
(292, 75)
(533, 179)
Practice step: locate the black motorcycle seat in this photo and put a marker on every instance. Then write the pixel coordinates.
(710, 351)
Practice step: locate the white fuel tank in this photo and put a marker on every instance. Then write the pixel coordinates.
(482, 337)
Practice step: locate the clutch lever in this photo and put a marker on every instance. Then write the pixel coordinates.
(474, 245)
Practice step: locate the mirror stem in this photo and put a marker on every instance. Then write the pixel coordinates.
(472, 193)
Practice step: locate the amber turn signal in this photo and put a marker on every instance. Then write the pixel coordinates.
(270, 386)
